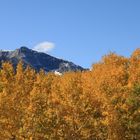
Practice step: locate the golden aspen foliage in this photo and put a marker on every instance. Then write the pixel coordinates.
(134, 70)
(8, 122)
(101, 104)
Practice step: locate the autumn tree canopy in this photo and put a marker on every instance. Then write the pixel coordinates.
(102, 104)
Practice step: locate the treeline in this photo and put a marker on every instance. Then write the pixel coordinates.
(102, 104)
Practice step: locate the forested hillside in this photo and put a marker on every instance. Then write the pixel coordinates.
(102, 104)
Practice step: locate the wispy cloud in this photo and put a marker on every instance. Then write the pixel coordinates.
(5, 50)
(44, 47)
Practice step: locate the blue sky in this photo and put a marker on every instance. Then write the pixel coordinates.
(82, 31)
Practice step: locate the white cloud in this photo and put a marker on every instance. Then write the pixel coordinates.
(5, 50)
(44, 47)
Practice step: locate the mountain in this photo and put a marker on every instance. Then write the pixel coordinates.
(38, 60)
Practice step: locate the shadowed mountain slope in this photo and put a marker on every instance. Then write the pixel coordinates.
(38, 60)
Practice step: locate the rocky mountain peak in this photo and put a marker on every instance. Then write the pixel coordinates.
(38, 60)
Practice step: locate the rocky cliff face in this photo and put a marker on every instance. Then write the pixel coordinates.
(38, 60)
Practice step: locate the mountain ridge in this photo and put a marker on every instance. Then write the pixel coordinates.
(38, 60)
